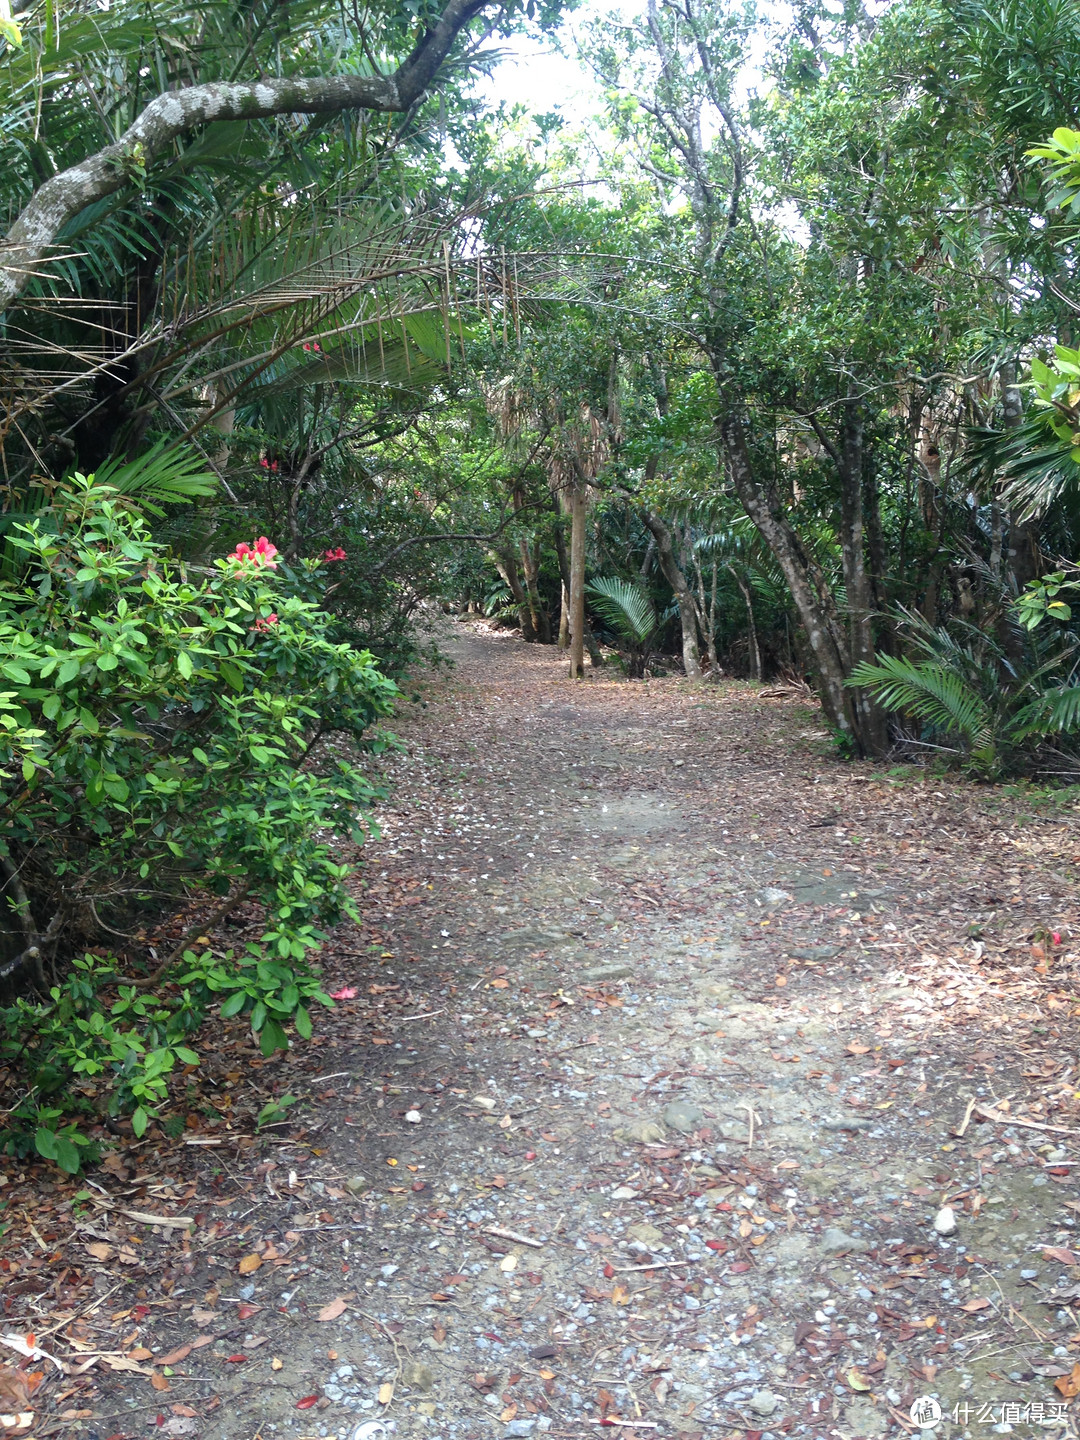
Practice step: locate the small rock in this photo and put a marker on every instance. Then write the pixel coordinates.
(387, 1270)
(418, 1375)
(413, 1117)
(644, 1132)
(623, 1192)
(773, 896)
(356, 1184)
(945, 1221)
(683, 1116)
(762, 1402)
(246, 1291)
(1029, 1274)
(607, 972)
(484, 1101)
(645, 1234)
(836, 1242)
(522, 1427)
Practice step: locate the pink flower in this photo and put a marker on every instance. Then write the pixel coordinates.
(266, 623)
(1056, 937)
(261, 554)
(347, 992)
(337, 554)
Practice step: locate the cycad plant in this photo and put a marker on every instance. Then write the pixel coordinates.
(628, 609)
(996, 702)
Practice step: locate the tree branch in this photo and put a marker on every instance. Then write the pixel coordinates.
(34, 234)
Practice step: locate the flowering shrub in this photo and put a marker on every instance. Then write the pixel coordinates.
(162, 727)
(338, 554)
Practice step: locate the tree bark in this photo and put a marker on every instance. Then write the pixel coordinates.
(577, 583)
(745, 591)
(673, 574)
(34, 234)
(1023, 547)
(809, 591)
(507, 568)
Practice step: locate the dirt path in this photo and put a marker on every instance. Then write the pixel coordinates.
(665, 1029)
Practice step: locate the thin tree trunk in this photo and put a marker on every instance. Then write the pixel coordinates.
(673, 574)
(540, 618)
(1023, 550)
(714, 663)
(751, 623)
(810, 593)
(507, 568)
(577, 583)
(564, 619)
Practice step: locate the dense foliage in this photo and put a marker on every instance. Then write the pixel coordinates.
(770, 368)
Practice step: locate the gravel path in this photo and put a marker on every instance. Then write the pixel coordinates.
(653, 1087)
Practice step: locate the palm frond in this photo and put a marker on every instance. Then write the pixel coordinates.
(931, 691)
(626, 607)
(167, 474)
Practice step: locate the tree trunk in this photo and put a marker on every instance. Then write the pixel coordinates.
(540, 618)
(33, 236)
(564, 619)
(871, 723)
(810, 593)
(673, 574)
(1023, 549)
(577, 583)
(507, 568)
(751, 624)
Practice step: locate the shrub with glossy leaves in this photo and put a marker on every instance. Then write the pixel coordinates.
(163, 727)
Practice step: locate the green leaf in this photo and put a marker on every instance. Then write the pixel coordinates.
(233, 1005)
(302, 1021)
(184, 665)
(189, 1057)
(67, 1155)
(232, 674)
(139, 1121)
(258, 1015)
(45, 1142)
(272, 1037)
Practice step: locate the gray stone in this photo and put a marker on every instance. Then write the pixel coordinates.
(836, 1242)
(845, 1122)
(763, 1402)
(613, 971)
(418, 1375)
(357, 1184)
(644, 1132)
(683, 1116)
(524, 1426)
(645, 1234)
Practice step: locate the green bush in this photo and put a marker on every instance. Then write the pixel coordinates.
(163, 727)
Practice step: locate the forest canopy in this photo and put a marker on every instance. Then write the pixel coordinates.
(767, 368)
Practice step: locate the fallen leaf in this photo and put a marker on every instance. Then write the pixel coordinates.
(175, 1356)
(508, 1263)
(1069, 1385)
(184, 1410)
(307, 1402)
(500, 984)
(973, 1305)
(386, 1393)
(858, 1382)
(159, 1382)
(276, 1364)
(249, 1264)
(1061, 1255)
(858, 1048)
(620, 1295)
(99, 1250)
(333, 1310)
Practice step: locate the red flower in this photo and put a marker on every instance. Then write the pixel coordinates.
(261, 554)
(266, 624)
(337, 554)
